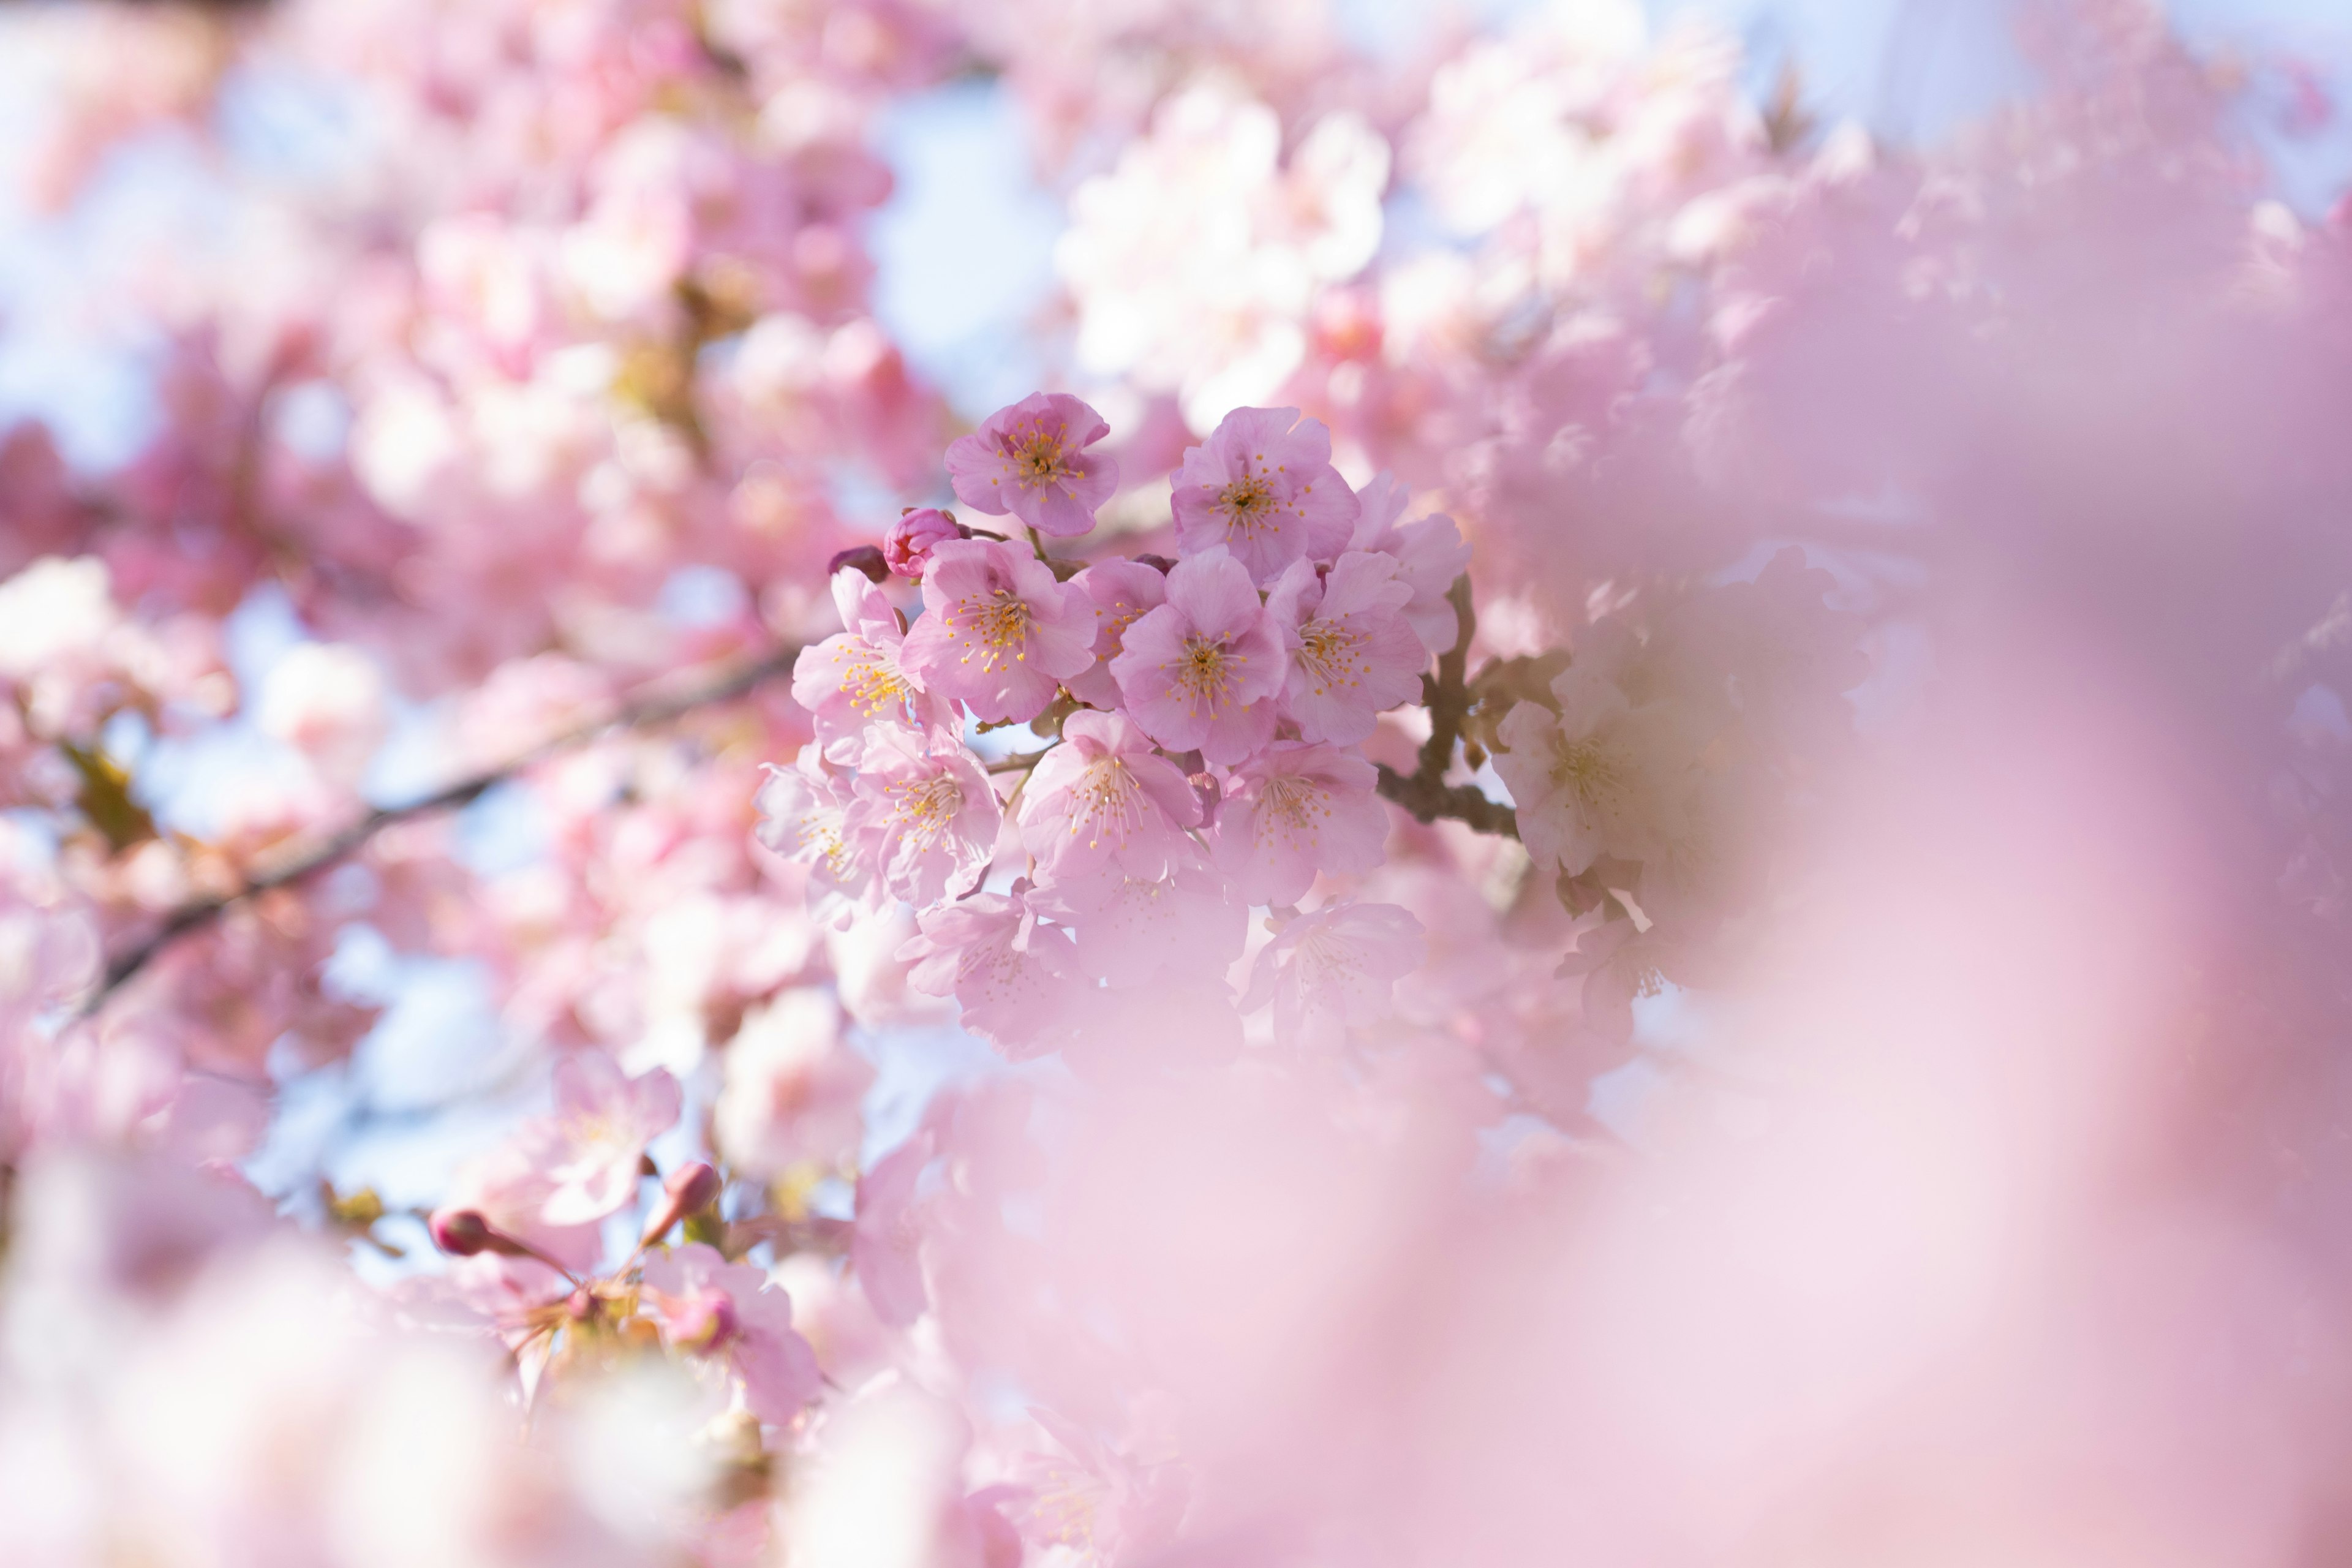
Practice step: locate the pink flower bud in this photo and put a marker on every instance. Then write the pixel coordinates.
(690, 1190)
(912, 536)
(865, 557)
(462, 1233)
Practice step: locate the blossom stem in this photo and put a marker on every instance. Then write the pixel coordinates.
(320, 855)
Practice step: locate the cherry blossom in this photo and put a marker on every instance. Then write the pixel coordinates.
(923, 813)
(909, 547)
(1334, 969)
(729, 1312)
(884, 1248)
(1007, 971)
(859, 676)
(1030, 459)
(1599, 777)
(1430, 554)
(588, 1151)
(1122, 591)
(1202, 670)
(793, 1089)
(1000, 633)
(1105, 803)
(1352, 654)
(1293, 811)
(1263, 487)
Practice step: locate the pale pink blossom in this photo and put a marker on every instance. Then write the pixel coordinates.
(793, 1088)
(1131, 931)
(1030, 459)
(1430, 554)
(589, 1149)
(729, 1312)
(1204, 669)
(1294, 810)
(1599, 777)
(1009, 972)
(1093, 1499)
(907, 549)
(859, 677)
(1262, 486)
(923, 811)
(885, 1241)
(803, 817)
(1334, 969)
(1104, 802)
(1352, 655)
(999, 632)
(1122, 591)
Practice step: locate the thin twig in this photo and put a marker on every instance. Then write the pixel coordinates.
(325, 853)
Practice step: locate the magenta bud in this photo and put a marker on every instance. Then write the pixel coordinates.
(690, 1190)
(866, 558)
(1159, 563)
(693, 1187)
(909, 547)
(461, 1233)
(580, 1305)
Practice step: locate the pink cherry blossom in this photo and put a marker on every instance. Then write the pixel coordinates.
(907, 547)
(1030, 459)
(1263, 487)
(1204, 670)
(1334, 969)
(1104, 802)
(991, 955)
(1600, 777)
(885, 1241)
(1293, 811)
(923, 813)
(1130, 930)
(804, 816)
(1352, 655)
(730, 1312)
(793, 1088)
(859, 677)
(1430, 554)
(589, 1149)
(1122, 591)
(998, 634)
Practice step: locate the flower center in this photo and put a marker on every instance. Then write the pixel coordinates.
(926, 807)
(1038, 459)
(1203, 672)
(1105, 802)
(1290, 806)
(1246, 502)
(1331, 655)
(1590, 771)
(999, 624)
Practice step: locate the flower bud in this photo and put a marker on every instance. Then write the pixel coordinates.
(690, 1190)
(462, 1233)
(911, 537)
(866, 558)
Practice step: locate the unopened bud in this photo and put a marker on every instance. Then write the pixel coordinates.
(1159, 563)
(690, 1190)
(462, 1233)
(866, 558)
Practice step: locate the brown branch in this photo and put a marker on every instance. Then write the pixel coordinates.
(322, 853)
(1446, 695)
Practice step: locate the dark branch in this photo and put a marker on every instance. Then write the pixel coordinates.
(282, 871)
(1446, 695)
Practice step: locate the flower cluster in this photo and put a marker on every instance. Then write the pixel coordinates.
(1204, 716)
